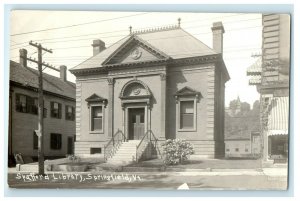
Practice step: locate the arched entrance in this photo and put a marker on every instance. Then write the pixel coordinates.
(135, 98)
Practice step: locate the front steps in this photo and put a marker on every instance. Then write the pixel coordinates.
(126, 153)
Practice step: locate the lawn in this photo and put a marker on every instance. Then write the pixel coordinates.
(205, 164)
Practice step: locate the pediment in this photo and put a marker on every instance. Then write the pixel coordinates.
(95, 98)
(187, 91)
(135, 50)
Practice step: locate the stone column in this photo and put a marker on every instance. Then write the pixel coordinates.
(162, 135)
(110, 107)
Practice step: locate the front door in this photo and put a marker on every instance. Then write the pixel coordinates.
(70, 145)
(136, 123)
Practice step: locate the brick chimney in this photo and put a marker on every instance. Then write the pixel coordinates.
(98, 46)
(218, 31)
(23, 57)
(63, 73)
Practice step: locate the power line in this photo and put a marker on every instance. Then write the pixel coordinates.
(235, 21)
(75, 25)
(229, 30)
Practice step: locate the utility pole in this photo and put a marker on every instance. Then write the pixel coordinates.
(39, 132)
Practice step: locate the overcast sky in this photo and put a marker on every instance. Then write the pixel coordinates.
(70, 33)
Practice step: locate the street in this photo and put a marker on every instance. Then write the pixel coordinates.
(148, 180)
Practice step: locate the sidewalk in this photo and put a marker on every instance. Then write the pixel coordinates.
(207, 167)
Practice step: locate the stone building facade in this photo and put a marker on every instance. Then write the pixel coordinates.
(163, 80)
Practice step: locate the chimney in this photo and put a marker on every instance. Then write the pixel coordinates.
(63, 73)
(218, 31)
(98, 46)
(23, 57)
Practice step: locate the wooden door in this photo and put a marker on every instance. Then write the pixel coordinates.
(136, 123)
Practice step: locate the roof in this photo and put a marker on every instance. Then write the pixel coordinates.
(175, 43)
(242, 135)
(278, 119)
(27, 76)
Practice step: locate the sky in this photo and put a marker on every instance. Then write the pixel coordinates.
(70, 34)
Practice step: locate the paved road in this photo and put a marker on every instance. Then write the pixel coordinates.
(148, 180)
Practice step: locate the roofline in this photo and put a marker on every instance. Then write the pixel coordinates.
(187, 60)
(17, 84)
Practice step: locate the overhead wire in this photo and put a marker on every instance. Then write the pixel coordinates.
(75, 25)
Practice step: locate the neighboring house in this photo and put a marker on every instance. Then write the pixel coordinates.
(164, 80)
(270, 74)
(59, 111)
(242, 126)
(243, 146)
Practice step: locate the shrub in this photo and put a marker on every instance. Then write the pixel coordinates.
(176, 151)
(73, 158)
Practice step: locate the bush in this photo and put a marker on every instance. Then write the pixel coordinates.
(73, 158)
(176, 151)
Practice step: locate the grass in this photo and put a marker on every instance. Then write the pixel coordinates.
(205, 163)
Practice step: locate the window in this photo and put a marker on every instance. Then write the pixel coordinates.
(55, 141)
(21, 103)
(95, 150)
(236, 149)
(97, 118)
(186, 114)
(34, 105)
(35, 140)
(70, 113)
(186, 109)
(227, 150)
(56, 110)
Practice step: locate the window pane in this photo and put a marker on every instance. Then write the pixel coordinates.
(97, 123)
(187, 121)
(187, 114)
(69, 109)
(187, 106)
(55, 105)
(97, 111)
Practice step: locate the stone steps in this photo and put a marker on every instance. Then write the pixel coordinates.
(125, 154)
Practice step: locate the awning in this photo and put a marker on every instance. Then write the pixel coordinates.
(278, 119)
(256, 68)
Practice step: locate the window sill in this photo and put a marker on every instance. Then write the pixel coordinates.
(187, 130)
(96, 132)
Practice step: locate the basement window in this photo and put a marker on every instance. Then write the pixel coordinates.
(95, 150)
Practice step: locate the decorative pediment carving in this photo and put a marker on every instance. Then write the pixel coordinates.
(187, 92)
(135, 50)
(135, 89)
(96, 99)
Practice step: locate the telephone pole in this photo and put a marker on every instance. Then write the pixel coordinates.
(39, 132)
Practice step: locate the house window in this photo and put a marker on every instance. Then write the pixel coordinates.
(35, 140)
(187, 114)
(21, 103)
(236, 149)
(97, 118)
(227, 150)
(70, 113)
(56, 110)
(34, 105)
(26, 104)
(55, 141)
